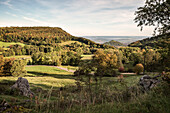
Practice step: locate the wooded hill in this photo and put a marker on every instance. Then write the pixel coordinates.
(114, 43)
(42, 36)
(159, 42)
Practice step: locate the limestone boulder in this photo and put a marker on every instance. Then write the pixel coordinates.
(23, 87)
(148, 82)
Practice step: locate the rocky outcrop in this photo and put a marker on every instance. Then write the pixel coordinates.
(23, 86)
(148, 82)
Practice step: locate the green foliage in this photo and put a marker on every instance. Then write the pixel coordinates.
(136, 57)
(138, 68)
(14, 67)
(47, 36)
(166, 77)
(56, 58)
(18, 68)
(157, 42)
(46, 59)
(34, 35)
(104, 63)
(165, 60)
(1, 64)
(152, 60)
(154, 13)
(9, 52)
(70, 58)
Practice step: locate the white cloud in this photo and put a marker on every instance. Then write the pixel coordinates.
(11, 14)
(86, 17)
(94, 16)
(7, 2)
(36, 21)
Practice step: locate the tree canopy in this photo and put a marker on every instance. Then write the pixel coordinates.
(154, 13)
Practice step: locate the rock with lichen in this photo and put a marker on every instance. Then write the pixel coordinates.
(23, 87)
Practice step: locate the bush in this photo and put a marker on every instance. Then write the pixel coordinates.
(1, 64)
(111, 72)
(14, 67)
(138, 68)
(121, 69)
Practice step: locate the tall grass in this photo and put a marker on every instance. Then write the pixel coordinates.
(106, 100)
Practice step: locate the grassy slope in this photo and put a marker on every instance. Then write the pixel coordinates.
(45, 77)
(20, 56)
(70, 67)
(86, 57)
(6, 44)
(68, 43)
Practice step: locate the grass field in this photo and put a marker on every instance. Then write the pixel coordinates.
(48, 76)
(44, 77)
(20, 56)
(68, 43)
(86, 57)
(6, 44)
(46, 69)
(70, 67)
(53, 72)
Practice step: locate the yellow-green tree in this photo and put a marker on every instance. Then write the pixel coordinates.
(105, 62)
(138, 68)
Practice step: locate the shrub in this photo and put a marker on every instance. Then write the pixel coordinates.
(1, 64)
(111, 72)
(121, 69)
(138, 68)
(14, 67)
(166, 77)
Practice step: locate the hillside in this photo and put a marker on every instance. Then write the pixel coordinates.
(160, 41)
(48, 36)
(114, 43)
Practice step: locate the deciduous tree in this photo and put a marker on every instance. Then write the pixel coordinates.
(154, 13)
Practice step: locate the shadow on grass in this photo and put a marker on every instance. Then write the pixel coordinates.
(5, 88)
(7, 82)
(40, 74)
(37, 88)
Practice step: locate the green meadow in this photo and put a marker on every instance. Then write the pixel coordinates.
(7, 44)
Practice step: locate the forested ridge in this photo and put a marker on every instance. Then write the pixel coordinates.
(159, 42)
(42, 36)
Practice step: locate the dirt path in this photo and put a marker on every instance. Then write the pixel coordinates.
(65, 69)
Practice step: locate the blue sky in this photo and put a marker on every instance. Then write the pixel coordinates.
(78, 17)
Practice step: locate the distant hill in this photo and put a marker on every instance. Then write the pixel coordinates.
(114, 43)
(160, 41)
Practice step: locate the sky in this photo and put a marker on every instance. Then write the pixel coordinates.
(77, 17)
